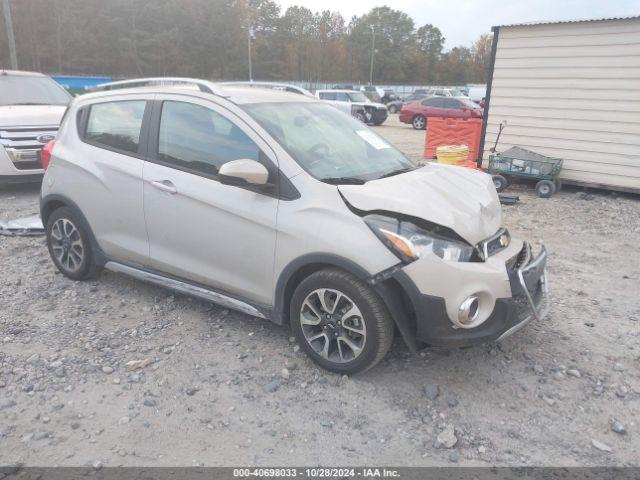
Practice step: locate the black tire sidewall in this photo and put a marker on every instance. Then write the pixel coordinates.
(350, 286)
(502, 181)
(424, 119)
(88, 266)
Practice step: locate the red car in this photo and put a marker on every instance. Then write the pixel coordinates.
(417, 113)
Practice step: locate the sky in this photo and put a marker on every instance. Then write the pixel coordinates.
(463, 21)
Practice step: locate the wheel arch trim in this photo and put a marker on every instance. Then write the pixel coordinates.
(303, 266)
(57, 199)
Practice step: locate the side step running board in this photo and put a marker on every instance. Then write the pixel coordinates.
(185, 288)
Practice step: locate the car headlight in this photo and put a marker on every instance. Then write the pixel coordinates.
(410, 242)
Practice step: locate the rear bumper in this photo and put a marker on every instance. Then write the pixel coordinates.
(529, 301)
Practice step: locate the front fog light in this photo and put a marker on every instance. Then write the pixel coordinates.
(468, 310)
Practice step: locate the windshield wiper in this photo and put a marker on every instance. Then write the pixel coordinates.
(343, 181)
(396, 172)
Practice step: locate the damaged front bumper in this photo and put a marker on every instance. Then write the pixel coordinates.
(529, 300)
(533, 286)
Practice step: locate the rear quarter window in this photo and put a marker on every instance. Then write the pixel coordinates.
(116, 125)
(327, 95)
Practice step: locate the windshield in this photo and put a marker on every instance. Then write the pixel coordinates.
(24, 90)
(468, 103)
(358, 97)
(329, 144)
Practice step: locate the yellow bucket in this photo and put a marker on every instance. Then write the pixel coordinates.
(452, 154)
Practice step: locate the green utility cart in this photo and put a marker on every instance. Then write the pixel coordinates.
(519, 162)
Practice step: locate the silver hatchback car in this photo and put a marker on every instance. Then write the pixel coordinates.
(283, 207)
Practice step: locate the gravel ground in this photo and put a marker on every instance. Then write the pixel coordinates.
(222, 388)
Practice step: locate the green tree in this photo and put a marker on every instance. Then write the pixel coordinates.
(429, 44)
(394, 37)
(209, 38)
(481, 56)
(455, 67)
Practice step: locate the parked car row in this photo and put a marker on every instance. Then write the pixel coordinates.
(32, 106)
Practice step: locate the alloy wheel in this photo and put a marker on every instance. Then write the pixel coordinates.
(66, 245)
(332, 325)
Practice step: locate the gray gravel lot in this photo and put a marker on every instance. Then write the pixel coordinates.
(223, 388)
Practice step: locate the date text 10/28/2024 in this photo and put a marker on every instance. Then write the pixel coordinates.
(316, 472)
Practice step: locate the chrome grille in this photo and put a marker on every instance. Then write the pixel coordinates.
(22, 144)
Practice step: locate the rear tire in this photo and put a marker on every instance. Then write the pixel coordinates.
(393, 109)
(340, 322)
(545, 188)
(500, 182)
(419, 122)
(70, 246)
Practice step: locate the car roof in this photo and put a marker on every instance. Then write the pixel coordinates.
(339, 90)
(21, 73)
(238, 94)
(271, 85)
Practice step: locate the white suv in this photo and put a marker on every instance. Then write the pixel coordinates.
(285, 208)
(356, 104)
(31, 106)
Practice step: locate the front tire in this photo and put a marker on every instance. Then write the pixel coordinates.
(393, 109)
(419, 122)
(340, 322)
(69, 245)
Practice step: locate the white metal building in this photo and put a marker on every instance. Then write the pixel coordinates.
(570, 90)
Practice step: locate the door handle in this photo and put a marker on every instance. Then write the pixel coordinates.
(165, 186)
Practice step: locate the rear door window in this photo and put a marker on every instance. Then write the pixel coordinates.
(328, 95)
(436, 102)
(116, 125)
(199, 140)
(453, 104)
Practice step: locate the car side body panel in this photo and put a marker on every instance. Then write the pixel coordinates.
(107, 186)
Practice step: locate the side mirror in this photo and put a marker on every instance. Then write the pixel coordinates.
(241, 172)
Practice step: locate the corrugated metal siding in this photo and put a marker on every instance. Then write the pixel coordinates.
(571, 90)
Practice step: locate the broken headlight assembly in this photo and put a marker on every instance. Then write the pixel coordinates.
(409, 241)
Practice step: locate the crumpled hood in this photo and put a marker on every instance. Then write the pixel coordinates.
(30, 115)
(461, 199)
